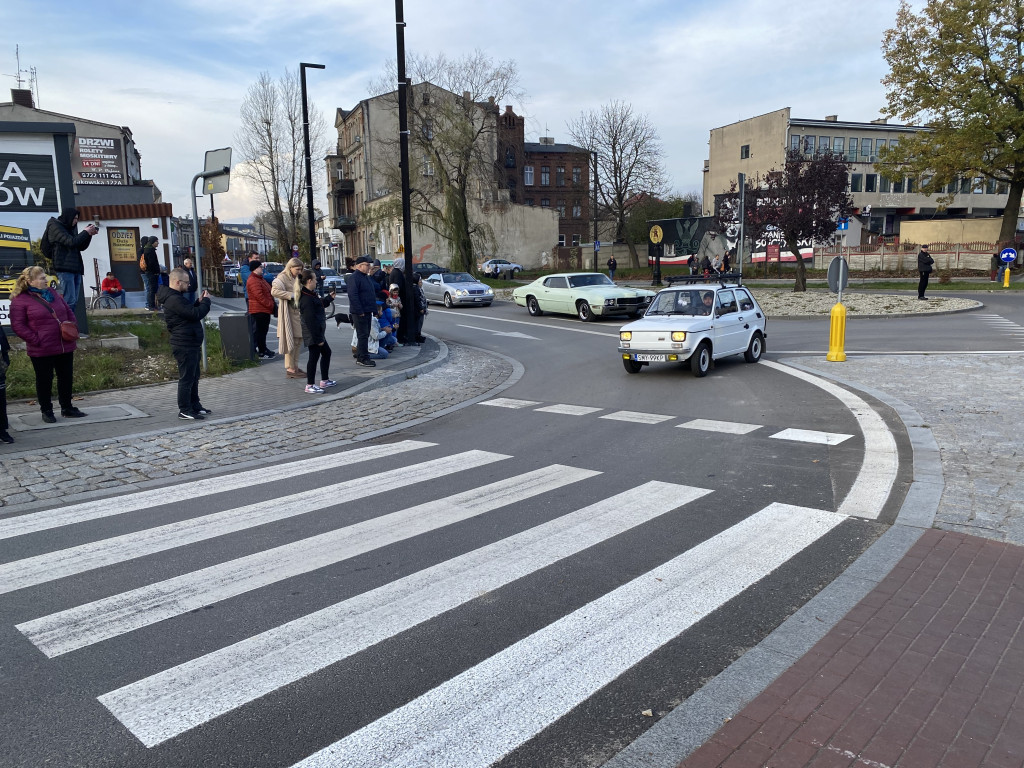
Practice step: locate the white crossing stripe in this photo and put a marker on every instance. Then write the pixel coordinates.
(508, 402)
(86, 557)
(171, 702)
(84, 625)
(568, 410)
(726, 427)
(119, 505)
(636, 416)
(811, 436)
(481, 715)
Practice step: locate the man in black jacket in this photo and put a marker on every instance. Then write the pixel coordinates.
(362, 302)
(68, 244)
(185, 325)
(924, 269)
(151, 276)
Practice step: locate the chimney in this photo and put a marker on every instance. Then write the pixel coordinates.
(508, 109)
(22, 97)
(880, 121)
(831, 118)
(547, 139)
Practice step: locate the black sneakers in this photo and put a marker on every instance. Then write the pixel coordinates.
(49, 418)
(366, 363)
(202, 410)
(71, 413)
(190, 416)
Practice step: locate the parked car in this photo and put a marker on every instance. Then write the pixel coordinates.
(335, 281)
(427, 268)
(500, 268)
(585, 294)
(457, 288)
(7, 283)
(233, 275)
(695, 324)
(271, 270)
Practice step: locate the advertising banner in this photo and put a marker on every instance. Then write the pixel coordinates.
(773, 240)
(693, 235)
(124, 244)
(27, 184)
(98, 161)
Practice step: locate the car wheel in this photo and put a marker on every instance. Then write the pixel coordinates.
(584, 311)
(753, 353)
(700, 361)
(632, 366)
(448, 300)
(533, 307)
(515, 273)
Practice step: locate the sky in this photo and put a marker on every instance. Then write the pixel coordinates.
(176, 72)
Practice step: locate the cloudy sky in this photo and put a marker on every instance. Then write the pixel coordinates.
(175, 72)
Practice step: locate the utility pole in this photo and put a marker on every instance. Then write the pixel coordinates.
(403, 133)
(309, 169)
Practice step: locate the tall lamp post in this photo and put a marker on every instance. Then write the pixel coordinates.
(305, 144)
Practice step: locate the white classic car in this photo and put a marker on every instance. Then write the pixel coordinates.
(698, 324)
(585, 294)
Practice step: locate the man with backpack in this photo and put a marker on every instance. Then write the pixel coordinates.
(63, 244)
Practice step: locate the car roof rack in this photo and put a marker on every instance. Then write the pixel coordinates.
(723, 278)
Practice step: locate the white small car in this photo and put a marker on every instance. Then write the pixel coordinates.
(500, 268)
(695, 324)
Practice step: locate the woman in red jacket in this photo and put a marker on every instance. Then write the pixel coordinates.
(36, 315)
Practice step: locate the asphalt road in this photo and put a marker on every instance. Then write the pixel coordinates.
(531, 580)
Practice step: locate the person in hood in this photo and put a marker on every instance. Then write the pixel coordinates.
(68, 244)
(185, 325)
(151, 275)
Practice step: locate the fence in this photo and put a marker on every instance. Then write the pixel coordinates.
(884, 258)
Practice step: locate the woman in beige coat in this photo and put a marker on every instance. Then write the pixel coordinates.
(286, 288)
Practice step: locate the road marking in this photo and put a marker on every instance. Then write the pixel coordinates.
(86, 557)
(479, 716)
(811, 436)
(534, 324)
(85, 625)
(877, 474)
(637, 417)
(167, 704)
(727, 427)
(568, 410)
(511, 334)
(508, 402)
(119, 505)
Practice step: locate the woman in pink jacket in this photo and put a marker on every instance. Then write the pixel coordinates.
(36, 315)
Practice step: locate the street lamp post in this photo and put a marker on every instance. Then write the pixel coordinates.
(305, 143)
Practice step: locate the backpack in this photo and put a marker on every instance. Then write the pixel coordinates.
(142, 262)
(45, 244)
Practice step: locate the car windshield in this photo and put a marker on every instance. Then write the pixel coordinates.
(459, 277)
(429, 266)
(582, 281)
(327, 272)
(688, 302)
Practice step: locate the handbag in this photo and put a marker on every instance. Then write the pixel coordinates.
(68, 329)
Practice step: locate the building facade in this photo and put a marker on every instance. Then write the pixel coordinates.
(758, 145)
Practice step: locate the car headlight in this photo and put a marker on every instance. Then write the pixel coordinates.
(460, 292)
(489, 290)
(678, 335)
(628, 335)
(609, 302)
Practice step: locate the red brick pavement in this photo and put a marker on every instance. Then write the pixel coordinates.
(927, 671)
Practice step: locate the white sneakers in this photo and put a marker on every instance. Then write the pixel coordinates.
(313, 389)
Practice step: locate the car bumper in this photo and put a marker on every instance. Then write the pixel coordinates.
(472, 300)
(679, 354)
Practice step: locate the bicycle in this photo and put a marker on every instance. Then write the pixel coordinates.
(101, 300)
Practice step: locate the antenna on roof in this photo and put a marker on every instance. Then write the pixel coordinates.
(31, 72)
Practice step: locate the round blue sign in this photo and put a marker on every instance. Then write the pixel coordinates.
(1007, 255)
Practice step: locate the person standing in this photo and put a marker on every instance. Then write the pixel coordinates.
(37, 315)
(185, 325)
(112, 287)
(151, 275)
(286, 289)
(261, 307)
(421, 308)
(405, 316)
(612, 264)
(924, 268)
(314, 333)
(68, 244)
(362, 303)
(193, 281)
(245, 270)
(5, 363)
(727, 260)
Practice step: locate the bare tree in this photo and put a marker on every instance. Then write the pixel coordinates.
(270, 148)
(452, 148)
(629, 161)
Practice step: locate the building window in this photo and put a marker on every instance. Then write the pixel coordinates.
(808, 145)
(879, 146)
(560, 176)
(527, 175)
(856, 182)
(575, 240)
(545, 202)
(428, 166)
(561, 241)
(823, 144)
(577, 209)
(510, 158)
(865, 148)
(838, 145)
(794, 143)
(871, 182)
(897, 187)
(560, 205)
(990, 187)
(851, 154)
(528, 201)
(745, 152)
(965, 186)
(576, 175)
(883, 185)
(545, 176)
(428, 129)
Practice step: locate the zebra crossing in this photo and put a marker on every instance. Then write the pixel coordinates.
(1001, 325)
(532, 681)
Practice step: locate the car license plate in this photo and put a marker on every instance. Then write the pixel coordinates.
(649, 358)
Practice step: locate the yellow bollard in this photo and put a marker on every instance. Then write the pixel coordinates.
(1006, 277)
(837, 334)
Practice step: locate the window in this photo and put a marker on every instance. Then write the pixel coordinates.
(727, 302)
(561, 241)
(871, 182)
(745, 152)
(560, 176)
(577, 209)
(527, 175)
(528, 201)
(545, 202)
(576, 175)
(865, 148)
(897, 187)
(851, 154)
(428, 129)
(990, 187)
(823, 144)
(794, 143)
(575, 240)
(556, 282)
(965, 186)
(746, 303)
(545, 176)
(911, 185)
(560, 205)
(879, 146)
(428, 166)
(510, 158)
(808, 145)
(883, 185)
(839, 145)
(856, 182)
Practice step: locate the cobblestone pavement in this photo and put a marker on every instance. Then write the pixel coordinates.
(972, 404)
(70, 470)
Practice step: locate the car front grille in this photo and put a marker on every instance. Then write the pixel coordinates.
(632, 302)
(476, 292)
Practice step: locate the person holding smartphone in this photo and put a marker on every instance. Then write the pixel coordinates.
(185, 325)
(68, 243)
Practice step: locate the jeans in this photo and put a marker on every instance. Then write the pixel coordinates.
(64, 366)
(151, 282)
(380, 354)
(70, 287)
(389, 341)
(115, 295)
(362, 325)
(260, 326)
(321, 352)
(188, 378)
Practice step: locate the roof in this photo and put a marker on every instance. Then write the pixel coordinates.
(137, 211)
(67, 117)
(531, 148)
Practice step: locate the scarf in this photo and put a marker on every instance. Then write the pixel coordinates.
(46, 294)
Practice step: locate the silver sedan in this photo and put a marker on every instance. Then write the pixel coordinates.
(455, 288)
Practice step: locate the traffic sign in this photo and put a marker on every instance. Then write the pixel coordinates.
(656, 234)
(838, 274)
(844, 224)
(1007, 255)
(597, 245)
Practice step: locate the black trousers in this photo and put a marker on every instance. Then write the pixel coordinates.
(922, 285)
(188, 377)
(64, 366)
(362, 324)
(321, 352)
(260, 326)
